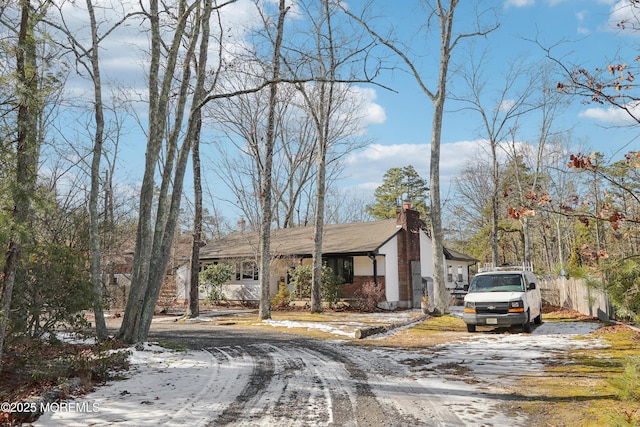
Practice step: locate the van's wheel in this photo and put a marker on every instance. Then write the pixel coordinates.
(526, 326)
(538, 319)
(471, 328)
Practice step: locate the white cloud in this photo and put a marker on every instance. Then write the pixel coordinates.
(611, 114)
(518, 3)
(581, 17)
(365, 168)
(506, 105)
(622, 11)
(372, 113)
(583, 31)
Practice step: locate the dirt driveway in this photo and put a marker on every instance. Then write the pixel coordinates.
(263, 377)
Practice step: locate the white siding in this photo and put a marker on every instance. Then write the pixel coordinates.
(391, 279)
(452, 268)
(363, 266)
(426, 256)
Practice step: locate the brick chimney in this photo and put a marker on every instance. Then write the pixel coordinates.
(408, 249)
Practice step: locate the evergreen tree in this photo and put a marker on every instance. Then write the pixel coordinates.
(400, 184)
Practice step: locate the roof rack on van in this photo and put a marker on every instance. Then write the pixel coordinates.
(524, 266)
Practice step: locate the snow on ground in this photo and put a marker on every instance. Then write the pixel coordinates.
(466, 378)
(357, 321)
(344, 329)
(161, 385)
(471, 376)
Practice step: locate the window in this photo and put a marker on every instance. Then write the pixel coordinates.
(246, 270)
(460, 273)
(498, 283)
(203, 267)
(449, 273)
(342, 267)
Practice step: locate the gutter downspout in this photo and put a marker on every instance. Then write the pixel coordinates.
(372, 257)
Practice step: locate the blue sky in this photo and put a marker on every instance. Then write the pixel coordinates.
(582, 32)
(398, 123)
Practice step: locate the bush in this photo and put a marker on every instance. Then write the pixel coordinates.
(368, 297)
(282, 298)
(212, 278)
(301, 277)
(331, 289)
(53, 287)
(623, 286)
(628, 385)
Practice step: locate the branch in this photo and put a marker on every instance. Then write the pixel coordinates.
(266, 83)
(396, 50)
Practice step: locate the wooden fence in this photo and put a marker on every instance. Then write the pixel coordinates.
(574, 294)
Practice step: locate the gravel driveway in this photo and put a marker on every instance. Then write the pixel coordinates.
(258, 377)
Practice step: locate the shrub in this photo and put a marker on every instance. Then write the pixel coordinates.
(368, 297)
(623, 286)
(283, 298)
(97, 367)
(331, 290)
(53, 287)
(212, 278)
(301, 277)
(628, 384)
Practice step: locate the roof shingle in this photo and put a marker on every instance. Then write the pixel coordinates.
(354, 238)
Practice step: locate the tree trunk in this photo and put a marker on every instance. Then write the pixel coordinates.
(494, 204)
(323, 125)
(195, 126)
(142, 253)
(169, 201)
(437, 238)
(316, 284)
(27, 155)
(193, 308)
(10, 268)
(265, 191)
(446, 28)
(94, 230)
(154, 239)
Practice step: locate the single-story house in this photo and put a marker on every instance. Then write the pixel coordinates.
(394, 254)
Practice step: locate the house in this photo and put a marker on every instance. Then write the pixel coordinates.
(394, 254)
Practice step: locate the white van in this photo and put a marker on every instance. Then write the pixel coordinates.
(503, 297)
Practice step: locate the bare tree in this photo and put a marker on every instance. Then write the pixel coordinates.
(156, 230)
(243, 119)
(346, 205)
(88, 57)
(264, 311)
(443, 12)
(329, 103)
(469, 210)
(499, 117)
(194, 128)
(549, 105)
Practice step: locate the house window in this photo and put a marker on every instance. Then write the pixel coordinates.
(246, 270)
(459, 273)
(203, 267)
(342, 267)
(450, 274)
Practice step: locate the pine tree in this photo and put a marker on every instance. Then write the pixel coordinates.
(400, 184)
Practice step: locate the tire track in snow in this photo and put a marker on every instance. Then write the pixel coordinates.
(249, 403)
(291, 386)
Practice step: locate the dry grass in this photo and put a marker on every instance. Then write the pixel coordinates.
(577, 390)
